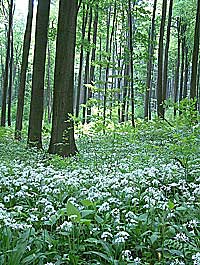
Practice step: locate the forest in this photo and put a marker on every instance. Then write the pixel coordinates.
(99, 132)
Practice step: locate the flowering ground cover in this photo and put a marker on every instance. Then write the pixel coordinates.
(128, 197)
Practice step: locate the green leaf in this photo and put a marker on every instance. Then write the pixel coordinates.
(87, 203)
(73, 211)
(170, 205)
(85, 213)
(154, 237)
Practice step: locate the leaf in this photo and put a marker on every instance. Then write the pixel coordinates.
(87, 203)
(99, 254)
(181, 208)
(98, 219)
(73, 211)
(85, 213)
(170, 205)
(85, 221)
(92, 240)
(154, 237)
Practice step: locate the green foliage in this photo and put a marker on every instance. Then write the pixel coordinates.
(129, 197)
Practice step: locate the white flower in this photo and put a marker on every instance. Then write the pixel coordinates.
(105, 235)
(66, 226)
(104, 207)
(126, 255)
(196, 258)
(121, 237)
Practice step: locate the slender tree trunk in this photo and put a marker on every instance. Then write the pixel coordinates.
(22, 82)
(160, 61)
(84, 23)
(10, 79)
(37, 93)
(185, 86)
(125, 92)
(108, 49)
(100, 74)
(176, 84)
(6, 72)
(92, 67)
(193, 85)
(183, 29)
(165, 70)
(150, 63)
(62, 135)
(49, 95)
(131, 63)
(87, 67)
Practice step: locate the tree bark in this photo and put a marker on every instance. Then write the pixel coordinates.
(84, 23)
(165, 70)
(24, 66)
(160, 61)
(6, 72)
(176, 84)
(62, 135)
(150, 63)
(37, 93)
(92, 67)
(193, 85)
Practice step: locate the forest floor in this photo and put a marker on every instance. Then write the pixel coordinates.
(131, 196)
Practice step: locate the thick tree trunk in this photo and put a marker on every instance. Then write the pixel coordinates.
(62, 134)
(37, 93)
(150, 63)
(160, 61)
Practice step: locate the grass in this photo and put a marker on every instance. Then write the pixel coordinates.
(128, 197)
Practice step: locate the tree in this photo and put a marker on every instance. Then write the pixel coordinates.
(6, 72)
(37, 93)
(160, 61)
(193, 85)
(24, 65)
(62, 135)
(150, 62)
(165, 70)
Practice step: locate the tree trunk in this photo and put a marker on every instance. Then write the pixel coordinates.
(165, 70)
(92, 67)
(37, 93)
(131, 63)
(84, 23)
(183, 30)
(87, 66)
(160, 61)
(150, 63)
(108, 49)
(185, 86)
(193, 85)
(176, 84)
(6, 72)
(10, 79)
(62, 135)
(24, 66)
